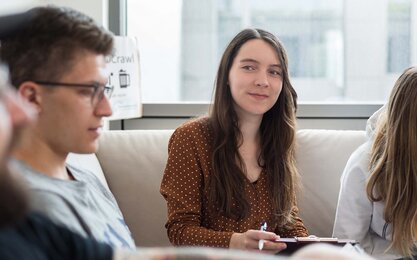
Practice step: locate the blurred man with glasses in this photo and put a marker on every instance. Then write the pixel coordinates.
(57, 64)
(25, 234)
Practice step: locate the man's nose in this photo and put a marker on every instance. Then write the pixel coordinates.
(103, 108)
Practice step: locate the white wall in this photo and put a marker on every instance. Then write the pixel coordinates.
(8, 6)
(97, 9)
(366, 75)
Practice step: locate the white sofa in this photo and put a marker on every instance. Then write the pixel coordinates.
(133, 163)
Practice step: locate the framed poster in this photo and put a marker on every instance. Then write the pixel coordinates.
(124, 75)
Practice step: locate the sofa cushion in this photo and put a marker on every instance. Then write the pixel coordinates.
(321, 156)
(133, 163)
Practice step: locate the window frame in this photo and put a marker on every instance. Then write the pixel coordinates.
(306, 110)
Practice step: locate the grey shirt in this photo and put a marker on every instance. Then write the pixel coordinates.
(83, 205)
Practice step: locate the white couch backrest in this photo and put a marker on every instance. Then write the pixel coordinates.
(321, 156)
(133, 163)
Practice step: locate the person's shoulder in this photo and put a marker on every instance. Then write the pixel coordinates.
(38, 218)
(357, 166)
(35, 220)
(194, 132)
(50, 203)
(195, 124)
(82, 174)
(363, 151)
(193, 127)
(361, 156)
(26, 171)
(91, 179)
(21, 240)
(37, 181)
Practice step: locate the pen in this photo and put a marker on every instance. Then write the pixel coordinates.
(261, 241)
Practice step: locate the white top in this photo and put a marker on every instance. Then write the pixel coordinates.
(357, 217)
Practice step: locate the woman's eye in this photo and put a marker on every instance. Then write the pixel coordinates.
(275, 72)
(250, 68)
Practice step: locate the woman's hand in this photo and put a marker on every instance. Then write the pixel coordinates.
(250, 241)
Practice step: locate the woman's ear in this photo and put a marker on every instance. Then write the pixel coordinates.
(31, 92)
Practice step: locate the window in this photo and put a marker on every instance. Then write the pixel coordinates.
(348, 51)
(399, 32)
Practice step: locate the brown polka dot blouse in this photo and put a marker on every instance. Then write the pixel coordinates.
(185, 187)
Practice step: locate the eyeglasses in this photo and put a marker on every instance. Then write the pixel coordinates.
(98, 94)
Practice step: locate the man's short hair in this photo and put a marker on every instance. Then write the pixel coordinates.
(50, 44)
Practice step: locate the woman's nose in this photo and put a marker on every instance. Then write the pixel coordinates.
(262, 79)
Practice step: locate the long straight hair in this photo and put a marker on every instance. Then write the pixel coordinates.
(393, 163)
(277, 131)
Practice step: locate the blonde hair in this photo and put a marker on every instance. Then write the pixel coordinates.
(393, 164)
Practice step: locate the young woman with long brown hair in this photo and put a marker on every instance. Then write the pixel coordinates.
(378, 198)
(234, 170)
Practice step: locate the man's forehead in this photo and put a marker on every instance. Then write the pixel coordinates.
(88, 66)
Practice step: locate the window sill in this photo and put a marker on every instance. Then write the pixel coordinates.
(305, 110)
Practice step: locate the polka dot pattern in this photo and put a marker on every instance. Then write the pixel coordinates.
(191, 219)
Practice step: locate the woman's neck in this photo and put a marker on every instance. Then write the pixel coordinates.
(249, 127)
(249, 149)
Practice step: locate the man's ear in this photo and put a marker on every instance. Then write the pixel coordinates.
(32, 93)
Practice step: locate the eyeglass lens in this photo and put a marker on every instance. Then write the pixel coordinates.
(102, 91)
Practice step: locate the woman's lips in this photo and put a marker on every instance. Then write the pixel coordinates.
(258, 96)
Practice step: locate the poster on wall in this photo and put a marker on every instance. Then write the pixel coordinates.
(124, 75)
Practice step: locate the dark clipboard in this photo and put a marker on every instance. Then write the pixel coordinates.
(296, 243)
